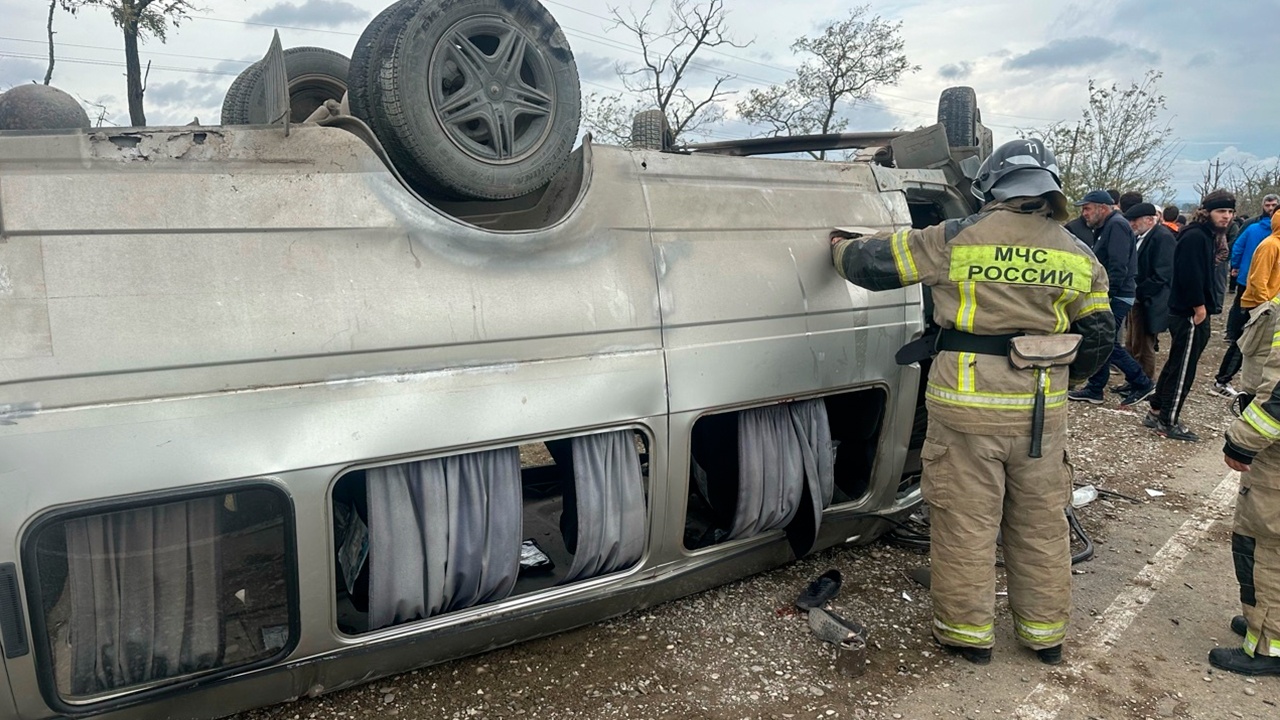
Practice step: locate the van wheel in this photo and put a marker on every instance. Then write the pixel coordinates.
(651, 131)
(958, 113)
(470, 98)
(314, 75)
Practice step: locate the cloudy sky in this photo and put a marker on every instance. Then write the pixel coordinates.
(1030, 62)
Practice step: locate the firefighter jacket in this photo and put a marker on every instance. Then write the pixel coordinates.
(1258, 427)
(1009, 269)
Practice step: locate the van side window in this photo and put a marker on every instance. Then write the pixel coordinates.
(144, 596)
(420, 539)
(763, 468)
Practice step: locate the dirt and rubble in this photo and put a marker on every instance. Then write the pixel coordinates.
(740, 651)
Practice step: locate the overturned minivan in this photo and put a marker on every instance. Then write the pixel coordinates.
(273, 424)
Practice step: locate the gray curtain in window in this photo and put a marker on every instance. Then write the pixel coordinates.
(145, 595)
(780, 448)
(610, 504)
(444, 534)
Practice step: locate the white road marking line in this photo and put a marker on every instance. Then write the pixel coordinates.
(1045, 701)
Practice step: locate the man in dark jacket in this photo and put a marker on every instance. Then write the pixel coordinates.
(1117, 251)
(1150, 315)
(1190, 299)
(1080, 228)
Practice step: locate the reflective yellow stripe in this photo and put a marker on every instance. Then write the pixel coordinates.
(1063, 322)
(1095, 302)
(1259, 420)
(992, 401)
(1017, 265)
(968, 306)
(1275, 339)
(1251, 645)
(965, 378)
(906, 263)
(1046, 633)
(966, 634)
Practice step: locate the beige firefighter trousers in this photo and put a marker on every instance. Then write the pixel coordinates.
(976, 487)
(1255, 546)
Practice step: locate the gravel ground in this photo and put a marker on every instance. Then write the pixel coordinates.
(738, 651)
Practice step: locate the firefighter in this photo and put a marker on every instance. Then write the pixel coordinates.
(995, 453)
(1251, 449)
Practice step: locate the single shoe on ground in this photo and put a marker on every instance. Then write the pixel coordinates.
(830, 627)
(1239, 625)
(1236, 660)
(1050, 656)
(1137, 395)
(1151, 420)
(1223, 390)
(977, 656)
(820, 591)
(1177, 431)
(1085, 396)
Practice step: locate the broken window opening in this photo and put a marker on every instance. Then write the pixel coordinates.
(764, 468)
(147, 596)
(421, 539)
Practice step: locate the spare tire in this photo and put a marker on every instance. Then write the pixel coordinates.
(314, 74)
(651, 131)
(958, 113)
(470, 98)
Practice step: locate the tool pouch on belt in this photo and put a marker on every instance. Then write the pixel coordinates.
(1040, 353)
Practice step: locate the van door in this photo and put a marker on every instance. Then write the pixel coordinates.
(753, 313)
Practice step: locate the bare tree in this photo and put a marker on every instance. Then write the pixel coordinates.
(48, 74)
(1120, 141)
(846, 63)
(70, 6)
(608, 116)
(1214, 178)
(137, 20)
(1249, 181)
(101, 115)
(662, 79)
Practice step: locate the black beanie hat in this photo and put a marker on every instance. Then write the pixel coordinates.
(1218, 200)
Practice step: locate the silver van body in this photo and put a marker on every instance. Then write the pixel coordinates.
(205, 309)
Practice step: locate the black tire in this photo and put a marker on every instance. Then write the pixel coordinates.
(363, 72)
(651, 131)
(368, 63)
(514, 120)
(314, 74)
(957, 111)
(235, 104)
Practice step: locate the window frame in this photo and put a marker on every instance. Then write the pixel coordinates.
(415, 627)
(772, 535)
(126, 697)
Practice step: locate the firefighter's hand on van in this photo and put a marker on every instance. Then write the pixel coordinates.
(850, 233)
(1199, 315)
(838, 235)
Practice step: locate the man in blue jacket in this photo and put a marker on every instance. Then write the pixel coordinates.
(1116, 248)
(1241, 258)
